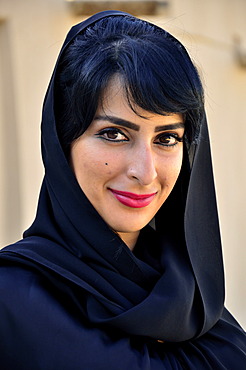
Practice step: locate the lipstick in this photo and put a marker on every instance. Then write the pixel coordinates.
(133, 200)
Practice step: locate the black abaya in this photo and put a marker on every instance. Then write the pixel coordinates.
(73, 296)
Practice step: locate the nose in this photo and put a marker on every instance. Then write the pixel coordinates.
(142, 165)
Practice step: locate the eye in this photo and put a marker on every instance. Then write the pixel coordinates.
(168, 139)
(112, 134)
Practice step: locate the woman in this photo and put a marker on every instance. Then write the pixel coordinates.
(122, 266)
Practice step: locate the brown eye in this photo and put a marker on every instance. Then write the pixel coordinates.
(112, 134)
(168, 140)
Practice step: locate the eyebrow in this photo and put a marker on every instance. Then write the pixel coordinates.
(133, 126)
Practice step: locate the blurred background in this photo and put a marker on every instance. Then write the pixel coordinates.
(31, 34)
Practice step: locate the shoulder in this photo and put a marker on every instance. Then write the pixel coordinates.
(43, 329)
(22, 289)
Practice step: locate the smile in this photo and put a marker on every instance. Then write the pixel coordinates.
(133, 200)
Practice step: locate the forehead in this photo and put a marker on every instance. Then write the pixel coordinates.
(115, 103)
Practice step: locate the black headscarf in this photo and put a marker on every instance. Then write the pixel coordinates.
(97, 305)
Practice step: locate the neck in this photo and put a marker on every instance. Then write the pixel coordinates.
(129, 239)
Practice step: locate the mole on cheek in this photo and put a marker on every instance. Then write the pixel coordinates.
(106, 164)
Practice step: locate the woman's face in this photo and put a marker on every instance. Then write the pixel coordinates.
(127, 165)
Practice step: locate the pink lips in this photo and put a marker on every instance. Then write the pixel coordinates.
(133, 200)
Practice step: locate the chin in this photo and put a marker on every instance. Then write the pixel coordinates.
(129, 223)
(119, 228)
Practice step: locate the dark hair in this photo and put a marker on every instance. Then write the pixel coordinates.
(156, 70)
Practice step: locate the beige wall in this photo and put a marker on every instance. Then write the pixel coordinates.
(31, 33)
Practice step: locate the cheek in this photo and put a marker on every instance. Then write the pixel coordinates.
(170, 170)
(92, 173)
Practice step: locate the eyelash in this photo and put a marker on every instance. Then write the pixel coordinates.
(112, 130)
(117, 131)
